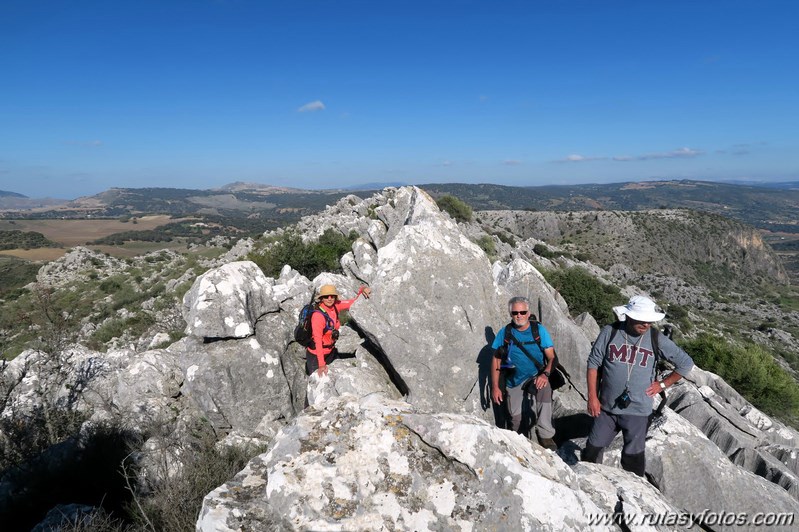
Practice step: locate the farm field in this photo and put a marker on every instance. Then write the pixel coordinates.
(77, 232)
(39, 254)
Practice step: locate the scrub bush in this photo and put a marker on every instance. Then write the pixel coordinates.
(584, 293)
(459, 210)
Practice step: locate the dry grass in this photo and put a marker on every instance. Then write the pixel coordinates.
(78, 232)
(35, 254)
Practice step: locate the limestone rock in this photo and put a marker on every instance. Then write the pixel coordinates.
(236, 383)
(695, 475)
(227, 301)
(434, 307)
(378, 464)
(76, 264)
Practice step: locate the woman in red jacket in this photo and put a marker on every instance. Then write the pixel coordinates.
(324, 328)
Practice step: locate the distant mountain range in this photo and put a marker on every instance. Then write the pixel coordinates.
(772, 206)
(15, 201)
(765, 207)
(5, 193)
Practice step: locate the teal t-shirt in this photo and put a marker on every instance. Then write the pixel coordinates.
(525, 368)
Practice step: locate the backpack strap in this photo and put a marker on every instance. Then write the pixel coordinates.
(329, 323)
(509, 339)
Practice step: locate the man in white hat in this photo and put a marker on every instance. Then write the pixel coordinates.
(624, 354)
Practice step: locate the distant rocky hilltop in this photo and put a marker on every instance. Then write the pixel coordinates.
(701, 248)
(402, 436)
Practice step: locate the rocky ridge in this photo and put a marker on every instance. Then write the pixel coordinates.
(402, 435)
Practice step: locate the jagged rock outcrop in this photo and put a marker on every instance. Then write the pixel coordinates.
(692, 472)
(434, 306)
(78, 263)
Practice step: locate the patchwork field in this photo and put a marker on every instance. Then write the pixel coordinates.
(78, 232)
(39, 254)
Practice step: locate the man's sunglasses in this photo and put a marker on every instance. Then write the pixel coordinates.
(519, 312)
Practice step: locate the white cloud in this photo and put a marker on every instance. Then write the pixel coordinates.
(445, 163)
(681, 153)
(311, 107)
(511, 162)
(576, 158)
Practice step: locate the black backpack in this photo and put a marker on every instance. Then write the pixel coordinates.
(302, 331)
(559, 376)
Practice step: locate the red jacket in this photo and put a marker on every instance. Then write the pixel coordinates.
(323, 340)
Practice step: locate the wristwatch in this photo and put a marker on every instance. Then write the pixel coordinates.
(662, 385)
(546, 373)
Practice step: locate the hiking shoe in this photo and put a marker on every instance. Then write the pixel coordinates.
(548, 443)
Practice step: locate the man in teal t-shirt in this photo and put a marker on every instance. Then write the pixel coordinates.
(525, 370)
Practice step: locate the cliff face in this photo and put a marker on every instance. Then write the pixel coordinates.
(703, 248)
(403, 435)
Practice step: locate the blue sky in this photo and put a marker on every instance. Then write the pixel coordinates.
(322, 94)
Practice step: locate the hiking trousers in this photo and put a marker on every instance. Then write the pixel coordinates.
(312, 363)
(520, 410)
(633, 430)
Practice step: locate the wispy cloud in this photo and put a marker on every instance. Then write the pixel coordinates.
(445, 163)
(84, 143)
(577, 158)
(311, 107)
(483, 98)
(681, 153)
(511, 162)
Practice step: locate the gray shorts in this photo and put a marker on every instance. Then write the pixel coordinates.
(633, 430)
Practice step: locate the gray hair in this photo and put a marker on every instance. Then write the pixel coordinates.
(518, 299)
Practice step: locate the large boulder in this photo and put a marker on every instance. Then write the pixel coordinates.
(237, 383)
(141, 391)
(226, 302)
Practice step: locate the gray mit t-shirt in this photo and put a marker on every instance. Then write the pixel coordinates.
(630, 355)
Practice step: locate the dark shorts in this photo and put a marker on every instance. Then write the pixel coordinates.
(312, 363)
(633, 430)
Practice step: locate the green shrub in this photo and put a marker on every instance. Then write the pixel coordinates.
(135, 326)
(459, 210)
(507, 238)
(584, 293)
(752, 371)
(678, 315)
(486, 243)
(543, 251)
(309, 259)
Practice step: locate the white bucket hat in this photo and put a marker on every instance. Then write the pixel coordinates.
(640, 308)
